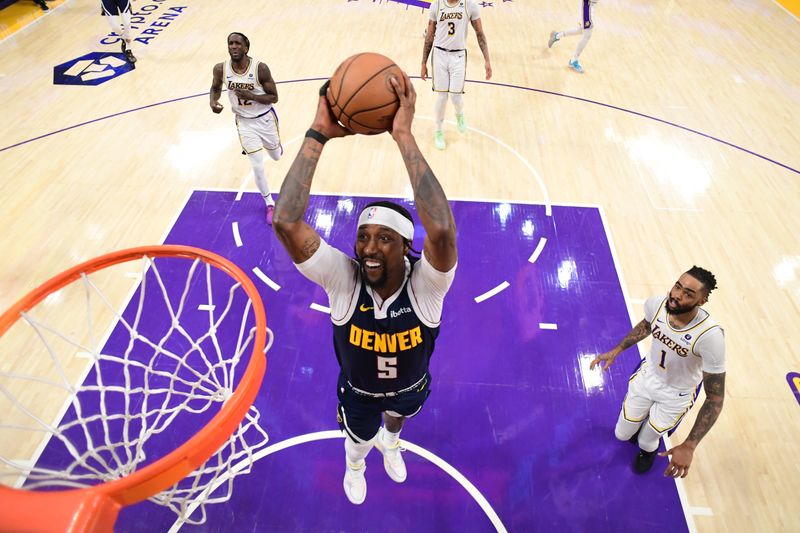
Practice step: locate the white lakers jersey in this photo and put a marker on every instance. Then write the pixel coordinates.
(248, 81)
(452, 22)
(680, 356)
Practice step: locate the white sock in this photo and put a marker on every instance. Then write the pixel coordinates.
(570, 32)
(276, 153)
(115, 22)
(587, 34)
(356, 453)
(458, 103)
(257, 162)
(126, 26)
(625, 429)
(438, 110)
(390, 439)
(648, 438)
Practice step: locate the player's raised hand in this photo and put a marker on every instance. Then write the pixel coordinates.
(608, 357)
(680, 460)
(405, 113)
(324, 121)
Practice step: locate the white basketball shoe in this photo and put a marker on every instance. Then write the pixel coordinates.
(392, 459)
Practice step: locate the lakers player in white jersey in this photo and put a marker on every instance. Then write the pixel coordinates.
(688, 347)
(446, 37)
(252, 94)
(585, 29)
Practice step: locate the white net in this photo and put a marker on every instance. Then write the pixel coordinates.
(79, 407)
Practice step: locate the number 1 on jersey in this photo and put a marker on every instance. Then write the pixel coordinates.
(663, 357)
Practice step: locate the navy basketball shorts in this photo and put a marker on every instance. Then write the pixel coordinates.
(116, 7)
(359, 414)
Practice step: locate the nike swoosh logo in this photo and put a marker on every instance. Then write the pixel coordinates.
(659, 320)
(687, 394)
(365, 308)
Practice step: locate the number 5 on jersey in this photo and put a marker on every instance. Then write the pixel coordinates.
(387, 367)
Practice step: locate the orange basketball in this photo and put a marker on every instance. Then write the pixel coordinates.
(361, 96)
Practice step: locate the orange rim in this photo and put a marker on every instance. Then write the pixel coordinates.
(95, 508)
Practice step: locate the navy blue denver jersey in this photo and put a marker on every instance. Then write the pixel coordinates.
(384, 354)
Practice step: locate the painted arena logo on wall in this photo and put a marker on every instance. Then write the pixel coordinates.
(91, 69)
(148, 21)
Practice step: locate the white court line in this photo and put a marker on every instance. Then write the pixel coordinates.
(547, 325)
(320, 308)
(236, 237)
(488, 294)
(263, 277)
(548, 208)
(206, 307)
(539, 247)
(337, 434)
(701, 511)
(637, 301)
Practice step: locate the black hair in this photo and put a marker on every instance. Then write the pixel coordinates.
(400, 209)
(703, 276)
(243, 36)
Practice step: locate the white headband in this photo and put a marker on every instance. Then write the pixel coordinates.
(390, 218)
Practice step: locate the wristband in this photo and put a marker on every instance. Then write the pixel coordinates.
(317, 136)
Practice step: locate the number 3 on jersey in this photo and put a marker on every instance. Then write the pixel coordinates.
(387, 367)
(451, 28)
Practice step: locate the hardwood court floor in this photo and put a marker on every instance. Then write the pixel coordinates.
(683, 129)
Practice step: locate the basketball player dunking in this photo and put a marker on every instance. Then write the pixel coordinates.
(446, 36)
(252, 94)
(688, 346)
(386, 305)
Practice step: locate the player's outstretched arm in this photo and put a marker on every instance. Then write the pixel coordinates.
(431, 203)
(216, 89)
(640, 331)
(299, 238)
(487, 63)
(681, 455)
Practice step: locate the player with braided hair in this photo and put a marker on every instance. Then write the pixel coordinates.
(688, 348)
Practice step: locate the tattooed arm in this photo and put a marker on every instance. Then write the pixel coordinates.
(640, 331)
(426, 48)
(299, 238)
(487, 64)
(714, 386)
(429, 198)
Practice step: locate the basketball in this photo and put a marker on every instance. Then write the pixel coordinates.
(361, 96)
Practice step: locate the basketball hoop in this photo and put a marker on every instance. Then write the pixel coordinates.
(169, 360)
